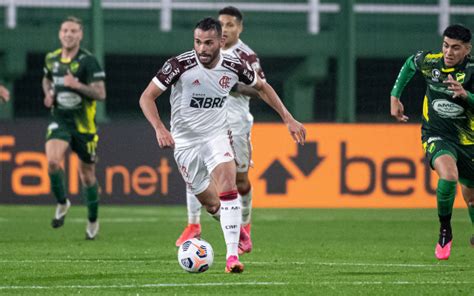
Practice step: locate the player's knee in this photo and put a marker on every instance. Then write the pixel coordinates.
(243, 186)
(212, 208)
(53, 165)
(87, 179)
(450, 175)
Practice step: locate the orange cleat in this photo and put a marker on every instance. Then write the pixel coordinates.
(245, 242)
(233, 265)
(191, 231)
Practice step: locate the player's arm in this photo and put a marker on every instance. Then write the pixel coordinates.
(4, 94)
(48, 92)
(406, 74)
(245, 90)
(268, 94)
(148, 106)
(94, 90)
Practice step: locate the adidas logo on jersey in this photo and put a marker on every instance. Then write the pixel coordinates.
(196, 82)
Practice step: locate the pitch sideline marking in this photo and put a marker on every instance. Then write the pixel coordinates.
(143, 286)
(250, 263)
(166, 285)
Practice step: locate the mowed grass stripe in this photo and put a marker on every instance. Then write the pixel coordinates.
(165, 285)
(250, 263)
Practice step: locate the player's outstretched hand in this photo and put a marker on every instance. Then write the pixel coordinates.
(456, 87)
(297, 131)
(397, 110)
(164, 138)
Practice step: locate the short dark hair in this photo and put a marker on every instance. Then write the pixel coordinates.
(458, 32)
(232, 11)
(72, 19)
(208, 24)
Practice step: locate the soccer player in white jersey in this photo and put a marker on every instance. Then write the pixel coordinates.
(240, 120)
(200, 134)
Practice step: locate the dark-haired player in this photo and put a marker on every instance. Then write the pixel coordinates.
(200, 134)
(240, 120)
(448, 122)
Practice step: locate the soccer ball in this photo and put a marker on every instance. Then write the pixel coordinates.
(195, 255)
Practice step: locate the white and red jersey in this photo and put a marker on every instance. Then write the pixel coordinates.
(199, 95)
(240, 118)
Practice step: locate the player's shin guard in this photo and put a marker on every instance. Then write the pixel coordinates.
(231, 217)
(246, 206)
(194, 208)
(91, 194)
(445, 194)
(58, 186)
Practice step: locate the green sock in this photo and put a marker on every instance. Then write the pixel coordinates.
(445, 194)
(58, 186)
(91, 194)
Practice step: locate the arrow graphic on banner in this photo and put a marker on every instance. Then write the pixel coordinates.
(276, 176)
(307, 158)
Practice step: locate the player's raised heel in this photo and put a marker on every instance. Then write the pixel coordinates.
(191, 231)
(92, 230)
(60, 214)
(245, 242)
(233, 265)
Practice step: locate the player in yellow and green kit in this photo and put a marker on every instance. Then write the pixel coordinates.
(73, 81)
(448, 122)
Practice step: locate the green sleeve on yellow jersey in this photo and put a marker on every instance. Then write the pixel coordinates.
(406, 74)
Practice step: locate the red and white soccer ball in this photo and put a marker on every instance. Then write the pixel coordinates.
(195, 255)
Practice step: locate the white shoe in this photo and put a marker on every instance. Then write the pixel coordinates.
(92, 229)
(60, 214)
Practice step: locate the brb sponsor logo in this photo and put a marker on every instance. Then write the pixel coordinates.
(207, 103)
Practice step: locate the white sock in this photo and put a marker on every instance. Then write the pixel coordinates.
(231, 217)
(194, 208)
(246, 207)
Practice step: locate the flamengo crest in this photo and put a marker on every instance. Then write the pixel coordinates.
(224, 82)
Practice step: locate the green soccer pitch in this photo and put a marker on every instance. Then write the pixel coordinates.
(296, 252)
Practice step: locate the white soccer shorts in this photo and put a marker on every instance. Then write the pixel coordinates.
(197, 163)
(243, 152)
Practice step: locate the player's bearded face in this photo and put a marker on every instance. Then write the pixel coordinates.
(231, 29)
(70, 35)
(207, 45)
(454, 51)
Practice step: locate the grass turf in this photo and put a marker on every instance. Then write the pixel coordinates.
(296, 252)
